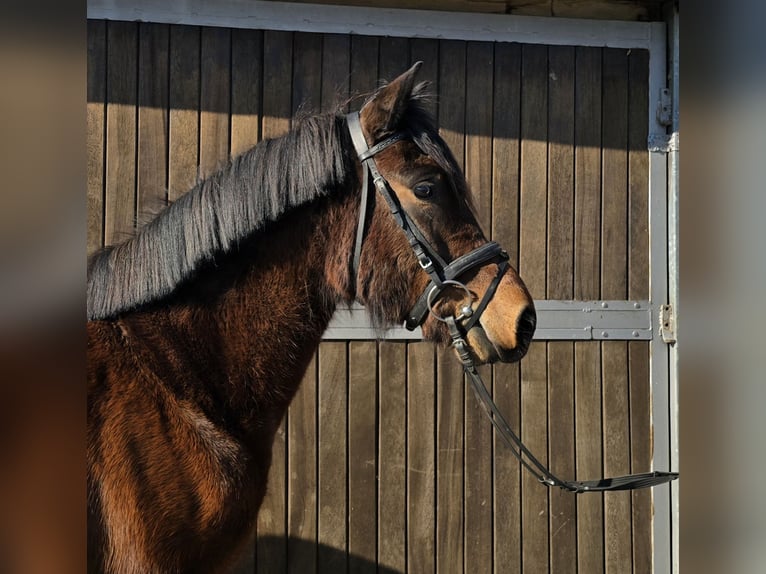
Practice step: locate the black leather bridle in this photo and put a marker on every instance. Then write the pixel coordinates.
(446, 274)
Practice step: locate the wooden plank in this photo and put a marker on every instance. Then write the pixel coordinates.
(246, 89)
(449, 460)
(362, 463)
(336, 63)
(215, 97)
(587, 285)
(121, 86)
(277, 71)
(638, 288)
(333, 397)
(478, 431)
(421, 471)
(96, 132)
(560, 285)
(640, 452)
(302, 475)
(364, 68)
(587, 232)
(307, 73)
(532, 251)
(452, 58)
(505, 230)
(450, 387)
(614, 246)
(588, 429)
(153, 54)
(392, 421)
(183, 159)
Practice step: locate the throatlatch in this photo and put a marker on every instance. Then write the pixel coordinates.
(444, 275)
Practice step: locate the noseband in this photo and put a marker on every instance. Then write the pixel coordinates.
(444, 275)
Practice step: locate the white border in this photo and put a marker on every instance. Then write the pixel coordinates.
(499, 28)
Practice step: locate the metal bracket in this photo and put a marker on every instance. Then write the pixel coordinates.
(667, 324)
(665, 108)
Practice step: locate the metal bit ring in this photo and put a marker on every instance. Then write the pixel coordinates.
(465, 310)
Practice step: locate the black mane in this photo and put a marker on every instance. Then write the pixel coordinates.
(276, 175)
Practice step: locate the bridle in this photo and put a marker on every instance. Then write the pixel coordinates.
(445, 274)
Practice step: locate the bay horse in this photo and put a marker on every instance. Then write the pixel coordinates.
(201, 326)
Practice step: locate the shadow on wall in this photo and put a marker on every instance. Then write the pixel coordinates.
(277, 554)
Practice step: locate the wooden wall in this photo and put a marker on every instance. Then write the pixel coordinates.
(385, 460)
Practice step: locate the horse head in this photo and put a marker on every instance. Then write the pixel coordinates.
(422, 213)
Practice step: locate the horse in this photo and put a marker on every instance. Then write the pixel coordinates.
(200, 327)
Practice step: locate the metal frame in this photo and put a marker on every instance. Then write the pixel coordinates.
(535, 30)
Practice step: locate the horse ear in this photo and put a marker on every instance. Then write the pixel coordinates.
(383, 113)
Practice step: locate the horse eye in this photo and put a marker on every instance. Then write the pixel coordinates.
(423, 190)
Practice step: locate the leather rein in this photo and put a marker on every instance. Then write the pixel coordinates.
(444, 275)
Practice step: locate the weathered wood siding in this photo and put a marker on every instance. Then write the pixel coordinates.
(385, 460)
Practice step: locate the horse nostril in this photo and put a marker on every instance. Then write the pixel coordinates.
(525, 325)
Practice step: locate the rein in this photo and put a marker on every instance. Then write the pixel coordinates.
(444, 275)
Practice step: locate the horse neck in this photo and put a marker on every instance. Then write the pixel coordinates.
(250, 324)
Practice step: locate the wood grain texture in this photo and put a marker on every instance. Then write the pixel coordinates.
(246, 89)
(183, 159)
(336, 63)
(392, 448)
(532, 265)
(121, 87)
(587, 226)
(96, 133)
(333, 484)
(362, 459)
(589, 459)
(153, 56)
(505, 230)
(215, 98)
(614, 247)
(478, 431)
(560, 271)
(638, 288)
(302, 475)
(587, 285)
(421, 456)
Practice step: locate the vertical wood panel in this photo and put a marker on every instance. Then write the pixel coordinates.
(96, 125)
(614, 246)
(638, 288)
(392, 525)
(277, 69)
(336, 63)
(246, 89)
(215, 98)
(333, 399)
(478, 431)
(587, 285)
(153, 57)
(563, 519)
(532, 247)
(362, 463)
(184, 110)
(450, 387)
(121, 86)
(421, 472)
(505, 230)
